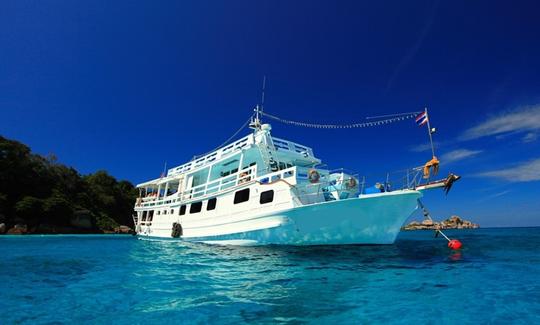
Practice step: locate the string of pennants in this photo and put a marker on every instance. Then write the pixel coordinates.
(403, 117)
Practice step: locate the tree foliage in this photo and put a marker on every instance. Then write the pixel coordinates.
(38, 190)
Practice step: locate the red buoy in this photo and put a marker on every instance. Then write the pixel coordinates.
(454, 244)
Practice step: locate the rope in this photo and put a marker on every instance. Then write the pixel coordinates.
(226, 141)
(343, 126)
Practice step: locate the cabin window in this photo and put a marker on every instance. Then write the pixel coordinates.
(288, 174)
(158, 213)
(267, 197)
(151, 214)
(241, 196)
(182, 210)
(164, 211)
(172, 211)
(211, 205)
(195, 207)
(143, 216)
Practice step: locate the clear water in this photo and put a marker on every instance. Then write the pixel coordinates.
(104, 279)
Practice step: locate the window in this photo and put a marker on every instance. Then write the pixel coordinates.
(172, 211)
(158, 213)
(267, 197)
(143, 216)
(211, 205)
(241, 196)
(151, 214)
(195, 207)
(182, 210)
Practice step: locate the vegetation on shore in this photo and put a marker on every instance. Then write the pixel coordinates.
(40, 195)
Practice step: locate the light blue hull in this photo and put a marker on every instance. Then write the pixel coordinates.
(370, 219)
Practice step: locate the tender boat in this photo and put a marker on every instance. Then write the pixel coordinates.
(262, 190)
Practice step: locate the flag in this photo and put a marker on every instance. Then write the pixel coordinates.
(421, 118)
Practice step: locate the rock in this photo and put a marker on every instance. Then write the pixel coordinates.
(454, 222)
(18, 229)
(2, 228)
(123, 230)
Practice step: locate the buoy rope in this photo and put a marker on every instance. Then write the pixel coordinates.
(399, 117)
(452, 243)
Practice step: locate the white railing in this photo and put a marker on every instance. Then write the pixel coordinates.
(281, 144)
(223, 184)
(218, 154)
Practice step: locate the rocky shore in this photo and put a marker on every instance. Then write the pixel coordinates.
(454, 222)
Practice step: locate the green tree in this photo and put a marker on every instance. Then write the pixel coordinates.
(58, 210)
(30, 209)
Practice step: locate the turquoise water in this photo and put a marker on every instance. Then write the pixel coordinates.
(104, 279)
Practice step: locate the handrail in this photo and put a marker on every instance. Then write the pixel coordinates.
(225, 183)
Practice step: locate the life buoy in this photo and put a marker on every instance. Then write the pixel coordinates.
(313, 176)
(350, 183)
(177, 230)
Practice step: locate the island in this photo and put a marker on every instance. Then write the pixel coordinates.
(39, 195)
(454, 222)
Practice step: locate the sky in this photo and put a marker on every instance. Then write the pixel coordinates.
(126, 86)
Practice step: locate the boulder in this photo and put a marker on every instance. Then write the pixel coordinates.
(18, 229)
(454, 222)
(123, 230)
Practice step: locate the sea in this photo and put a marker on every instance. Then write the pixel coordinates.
(119, 279)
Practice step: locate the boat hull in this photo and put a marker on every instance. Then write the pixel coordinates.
(369, 219)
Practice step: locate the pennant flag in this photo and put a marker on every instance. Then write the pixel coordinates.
(421, 118)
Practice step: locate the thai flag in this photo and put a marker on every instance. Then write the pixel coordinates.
(422, 118)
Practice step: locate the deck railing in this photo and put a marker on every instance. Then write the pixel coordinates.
(220, 185)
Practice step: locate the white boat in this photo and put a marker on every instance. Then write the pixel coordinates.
(262, 190)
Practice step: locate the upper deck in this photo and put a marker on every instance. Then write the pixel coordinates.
(276, 144)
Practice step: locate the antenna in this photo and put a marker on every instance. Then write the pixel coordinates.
(256, 124)
(262, 95)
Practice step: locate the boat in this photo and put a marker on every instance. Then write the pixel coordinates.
(264, 190)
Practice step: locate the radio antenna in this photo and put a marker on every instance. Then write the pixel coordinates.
(262, 95)
(256, 124)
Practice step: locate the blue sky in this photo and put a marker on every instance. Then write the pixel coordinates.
(127, 85)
